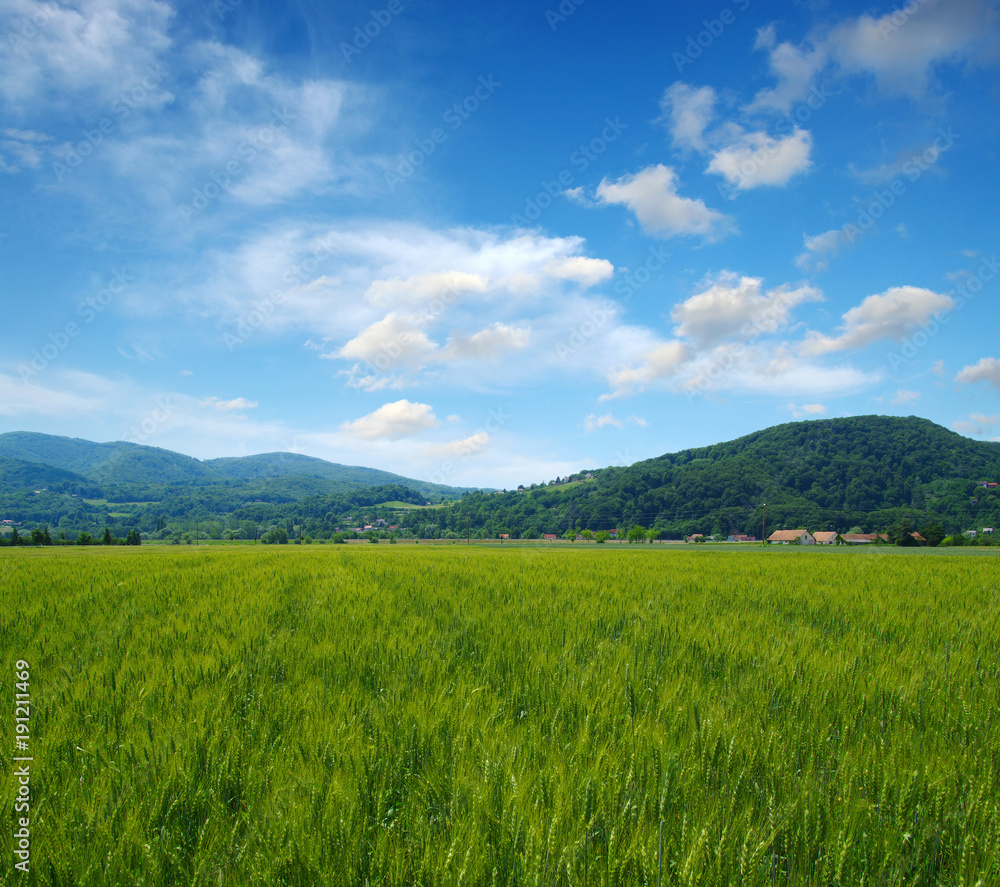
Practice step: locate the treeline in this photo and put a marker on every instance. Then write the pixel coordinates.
(42, 536)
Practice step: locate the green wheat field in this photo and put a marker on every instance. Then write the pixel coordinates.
(412, 715)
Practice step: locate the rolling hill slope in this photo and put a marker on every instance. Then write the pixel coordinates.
(824, 474)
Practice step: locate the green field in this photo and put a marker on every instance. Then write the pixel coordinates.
(453, 715)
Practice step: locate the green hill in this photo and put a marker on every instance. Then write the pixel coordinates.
(347, 477)
(119, 462)
(833, 474)
(79, 485)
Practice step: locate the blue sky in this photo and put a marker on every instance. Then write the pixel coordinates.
(490, 246)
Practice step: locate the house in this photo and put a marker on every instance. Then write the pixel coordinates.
(549, 537)
(863, 538)
(792, 537)
(695, 537)
(826, 537)
(504, 536)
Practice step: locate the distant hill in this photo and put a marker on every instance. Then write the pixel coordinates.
(105, 463)
(16, 475)
(81, 485)
(864, 471)
(270, 465)
(123, 463)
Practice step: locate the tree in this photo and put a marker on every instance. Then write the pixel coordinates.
(901, 533)
(587, 535)
(133, 538)
(933, 533)
(570, 535)
(603, 536)
(84, 539)
(106, 538)
(651, 535)
(637, 533)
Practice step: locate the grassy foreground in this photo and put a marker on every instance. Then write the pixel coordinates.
(408, 715)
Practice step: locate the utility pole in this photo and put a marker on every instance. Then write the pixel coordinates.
(763, 527)
(468, 529)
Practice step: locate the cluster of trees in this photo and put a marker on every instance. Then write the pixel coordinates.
(42, 536)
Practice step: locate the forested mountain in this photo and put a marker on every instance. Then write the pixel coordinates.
(77, 485)
(868, 472)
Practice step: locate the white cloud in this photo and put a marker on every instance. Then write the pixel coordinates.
(424, 290)
(688, 111)
(901, 48)
(806, 410)
(889, 315)
(662, 362)
(793, 67)
(977, 425)
(732, 305)
(819, 248)
(652, 195)
(986, 370)
(102, 48)
(756, 159)
(237, 403)
(581, 269)
(487, 343)
(392, 339)
(393, 421)
(462, 448)
(593, 422)
(903, 396)
(21, 149)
